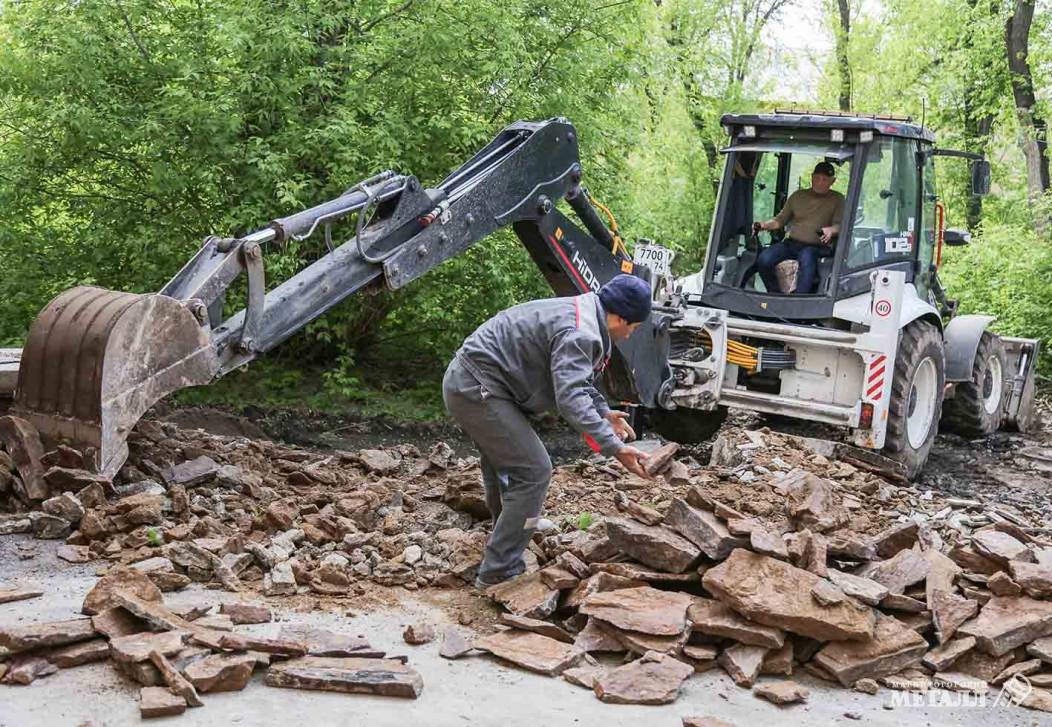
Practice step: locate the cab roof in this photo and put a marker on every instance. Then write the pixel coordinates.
(901, 126)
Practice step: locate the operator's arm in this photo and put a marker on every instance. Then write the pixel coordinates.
(783, 218)
(576, 396)
(828, 233)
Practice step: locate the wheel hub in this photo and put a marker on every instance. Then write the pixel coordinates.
(920, 407)
(993, 383)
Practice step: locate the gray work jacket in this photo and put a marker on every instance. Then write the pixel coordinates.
(545, 355)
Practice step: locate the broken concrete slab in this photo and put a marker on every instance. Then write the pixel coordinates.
(651, 679)
(1005, 623)
(656, 546)
(716, 618)
(774, 593)
(646, 610)
(384, 677)
(40, 635)
(531, 651)
(892, 648)
(742, 663)
(159, 702)
(783, 692)
(703, 529)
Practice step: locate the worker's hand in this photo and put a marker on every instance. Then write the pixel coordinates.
(619, 421)
(828, 233)
(633, 461)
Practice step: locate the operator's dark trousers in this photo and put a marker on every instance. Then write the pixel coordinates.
(516, 469)
(805, 254)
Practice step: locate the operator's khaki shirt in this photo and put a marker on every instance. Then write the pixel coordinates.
(806, 212)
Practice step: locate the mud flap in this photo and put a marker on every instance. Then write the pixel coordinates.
(95, 360)
(1022, 364)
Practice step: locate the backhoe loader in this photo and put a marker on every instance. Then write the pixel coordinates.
(876, 347)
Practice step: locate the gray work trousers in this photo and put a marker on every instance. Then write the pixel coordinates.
(516, 468)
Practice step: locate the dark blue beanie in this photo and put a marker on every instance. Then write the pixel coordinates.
(628, 297)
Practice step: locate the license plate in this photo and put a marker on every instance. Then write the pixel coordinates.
(655, 257)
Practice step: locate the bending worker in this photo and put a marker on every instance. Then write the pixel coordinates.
(813, 216)
(529, 359)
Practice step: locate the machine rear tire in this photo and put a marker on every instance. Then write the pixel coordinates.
(687, 426)
(916, 396)
(977, 406)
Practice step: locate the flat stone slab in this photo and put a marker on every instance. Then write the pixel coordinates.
(949, 611)
(526, 595)
(177, 683)
(544, 628)
(864, 589)
(159, 702)
(775, 593)
(82, 652)
(941, 657)
(651, 679)
(39, 635)
(742, 663)
(137, 647)
(221, 672)
(322, 642)
(892, 648)
(646, 610)
(703, 529)
(351, 675)
(653, 545)
(716, 618)
(783, 692)
(531, 651)
(454, 644)
(124, 580)
(899, 572)
(246, 613)
(10, 595)
(1007, 622)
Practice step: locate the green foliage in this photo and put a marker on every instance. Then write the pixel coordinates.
(585, 520)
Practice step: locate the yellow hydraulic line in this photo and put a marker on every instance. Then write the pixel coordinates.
(619, 244)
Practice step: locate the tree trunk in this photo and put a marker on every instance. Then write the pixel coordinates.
(1032, 127)
(843, 36)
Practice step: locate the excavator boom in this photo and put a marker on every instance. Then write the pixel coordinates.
(95, 360)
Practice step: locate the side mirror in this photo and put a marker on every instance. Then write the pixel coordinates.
(980, 177)
(956, 238)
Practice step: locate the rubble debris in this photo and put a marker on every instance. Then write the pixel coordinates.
(709, 616)
(527, 595)
(656, 546)
(351, 675)
(128, 581)
(322, 642)
(27, 668)
(221, 672)
(246, 613)
(537, 626)
(1005, 623)
(584, 676)
(645, 610)
(82, 652)
(177, 683)
(703, 529)
(652, 679)
(892, 648)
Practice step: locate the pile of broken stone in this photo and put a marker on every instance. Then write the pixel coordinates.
(179, 654)
(782, 553)
(923, 603)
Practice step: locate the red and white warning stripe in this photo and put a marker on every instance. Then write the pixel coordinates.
(875, 377)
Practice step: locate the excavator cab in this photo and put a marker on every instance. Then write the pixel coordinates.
(889, 218)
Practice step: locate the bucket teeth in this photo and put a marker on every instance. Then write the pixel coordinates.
(96, 360)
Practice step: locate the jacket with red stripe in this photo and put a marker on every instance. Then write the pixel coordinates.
(545, 355)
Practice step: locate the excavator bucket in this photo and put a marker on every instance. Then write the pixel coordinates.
(95, 360)
(1021, 375)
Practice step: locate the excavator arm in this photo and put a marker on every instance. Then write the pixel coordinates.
(95, 360)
